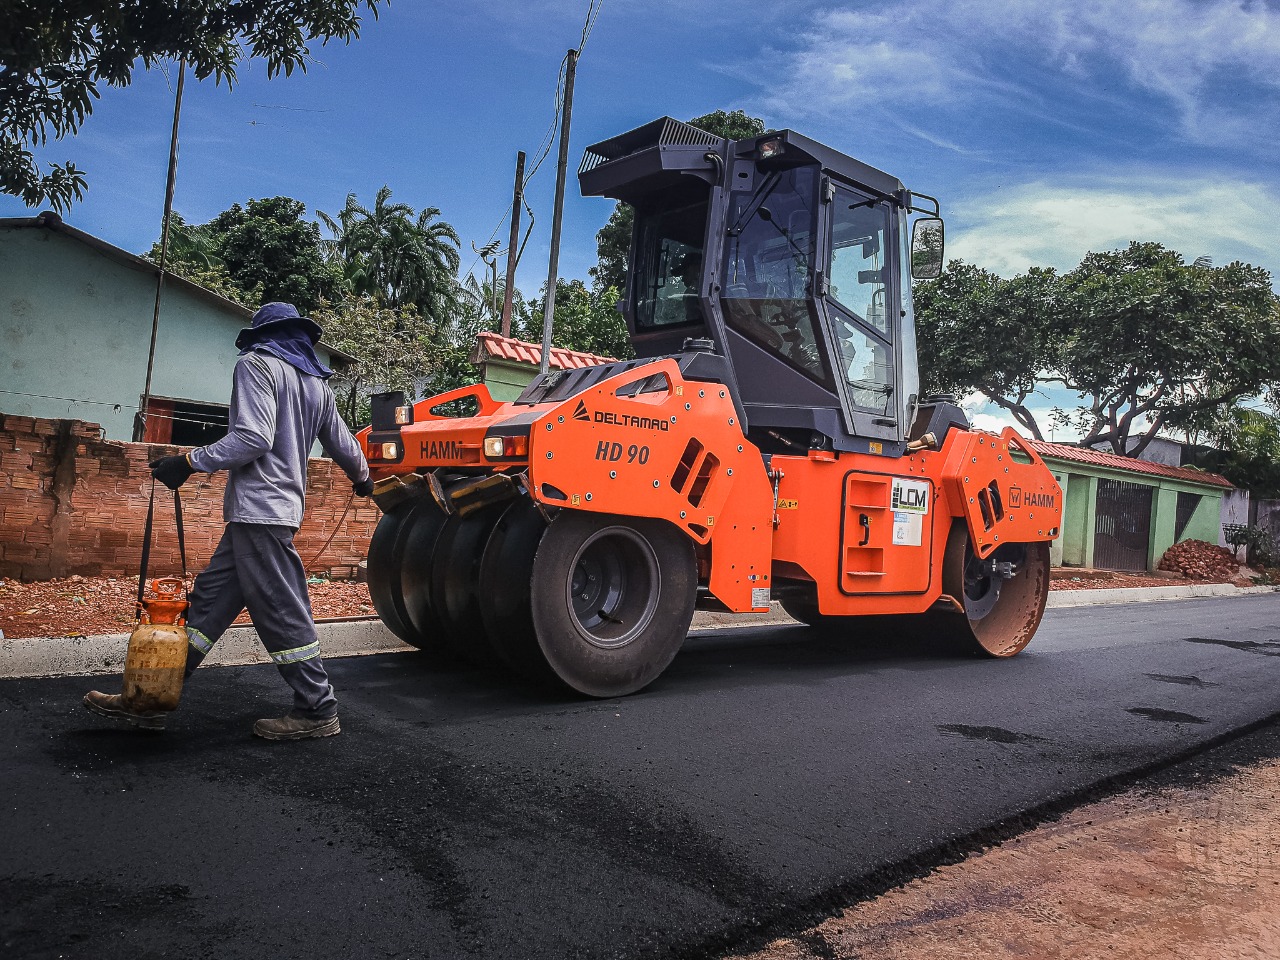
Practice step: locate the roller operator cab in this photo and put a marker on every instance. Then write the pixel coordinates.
(768, 443)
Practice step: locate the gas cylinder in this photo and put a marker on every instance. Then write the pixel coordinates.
(157, 649)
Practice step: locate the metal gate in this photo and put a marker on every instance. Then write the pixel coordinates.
(1122, 528)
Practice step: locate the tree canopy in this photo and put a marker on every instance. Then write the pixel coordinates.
(55, 57)
(395, 348)
(1147, 342)
(1152, 343)
(266, 250)
(613, 242)
(1247, 453)
(585, 320)
(976, 331)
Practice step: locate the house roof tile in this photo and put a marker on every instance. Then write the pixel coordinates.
(1097, 458)
(494, 346)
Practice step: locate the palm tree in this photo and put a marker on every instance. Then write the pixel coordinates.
(395, 256)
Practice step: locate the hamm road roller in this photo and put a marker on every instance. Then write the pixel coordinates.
(768, 443)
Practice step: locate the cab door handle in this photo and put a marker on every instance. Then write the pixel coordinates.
(865, 521)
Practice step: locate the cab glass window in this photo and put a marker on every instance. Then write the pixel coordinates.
(669, 266)
(768, 264)
(861, 234)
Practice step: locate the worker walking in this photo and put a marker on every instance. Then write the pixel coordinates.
(280, 405)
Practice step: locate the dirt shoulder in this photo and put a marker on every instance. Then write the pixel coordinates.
(88, 606)
(1188, 867)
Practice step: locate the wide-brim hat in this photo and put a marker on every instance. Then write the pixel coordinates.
(271, 315)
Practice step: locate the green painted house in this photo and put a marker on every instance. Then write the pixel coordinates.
(75, 331)
(1123, 514)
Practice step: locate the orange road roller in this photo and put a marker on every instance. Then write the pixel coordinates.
(768, 443)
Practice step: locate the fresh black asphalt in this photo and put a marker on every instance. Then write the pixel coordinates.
(771, 773)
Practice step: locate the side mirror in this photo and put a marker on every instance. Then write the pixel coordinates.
(926, 249)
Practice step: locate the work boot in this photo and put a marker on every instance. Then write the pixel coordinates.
(112, 705)
(293, 727)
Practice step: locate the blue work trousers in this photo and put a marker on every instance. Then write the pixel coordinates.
(257, 567)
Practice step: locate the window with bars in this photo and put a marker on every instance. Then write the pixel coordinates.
(1187, 504)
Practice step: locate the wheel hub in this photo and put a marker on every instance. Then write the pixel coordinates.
(984, 578)
(613, 591)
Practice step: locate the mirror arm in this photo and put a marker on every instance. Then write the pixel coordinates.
(910, 204)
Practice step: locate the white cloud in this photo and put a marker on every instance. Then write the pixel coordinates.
(1054, 224)
(916, 52)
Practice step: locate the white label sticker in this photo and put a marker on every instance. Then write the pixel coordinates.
(759, 596)
(910, 496)
(908, 528)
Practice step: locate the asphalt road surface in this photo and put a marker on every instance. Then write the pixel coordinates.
(771, 774)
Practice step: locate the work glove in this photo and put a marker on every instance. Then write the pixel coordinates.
(363, 488)
(173, 472)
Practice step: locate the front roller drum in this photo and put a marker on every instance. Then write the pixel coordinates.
(612, 599)
(1001, 614)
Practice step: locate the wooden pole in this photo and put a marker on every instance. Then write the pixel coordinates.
(517, 200)
(140, 421)
(558, 215)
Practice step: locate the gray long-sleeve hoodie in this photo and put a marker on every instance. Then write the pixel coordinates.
(277, 413)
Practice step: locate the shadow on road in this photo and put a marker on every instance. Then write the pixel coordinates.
(428, 685)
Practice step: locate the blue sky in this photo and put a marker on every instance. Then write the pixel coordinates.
(1046, 127)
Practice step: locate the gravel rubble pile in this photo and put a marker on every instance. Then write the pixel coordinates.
(1199, 560)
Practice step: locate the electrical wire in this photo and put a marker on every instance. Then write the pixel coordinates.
(593, 14)
(120, 406)
(549, 138)
(41, 396)
(544, 147)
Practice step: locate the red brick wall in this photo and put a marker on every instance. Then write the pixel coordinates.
(71, 503)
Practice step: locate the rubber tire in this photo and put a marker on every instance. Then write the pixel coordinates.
(386, 553)
(506, 572)
(455, 576)
(667, 587)
(422, 530)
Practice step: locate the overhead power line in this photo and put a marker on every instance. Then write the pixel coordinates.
(549, 138)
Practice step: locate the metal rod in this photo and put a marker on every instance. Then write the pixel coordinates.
(140, 421)
(553, 268)
(517, 197)
(493, 288)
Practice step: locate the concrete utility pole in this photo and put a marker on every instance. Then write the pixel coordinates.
(517, 199)
(571, 60)
(140, 421)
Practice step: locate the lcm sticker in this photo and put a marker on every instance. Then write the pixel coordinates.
(910, 496)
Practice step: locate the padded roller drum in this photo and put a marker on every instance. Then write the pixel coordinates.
(386, 553)
(506, 570)
(612, 600)
(1001, 615)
